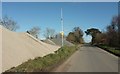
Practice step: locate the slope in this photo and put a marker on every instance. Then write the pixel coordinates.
(20, 47)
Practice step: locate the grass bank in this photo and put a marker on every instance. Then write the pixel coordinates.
(46, 63)
(113, 50)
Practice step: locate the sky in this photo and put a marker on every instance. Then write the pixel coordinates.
(0, 10)
(47, 14)
(60, 0)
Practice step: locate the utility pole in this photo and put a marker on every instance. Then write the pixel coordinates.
(62, 32)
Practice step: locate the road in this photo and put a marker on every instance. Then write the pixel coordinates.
(90, 59)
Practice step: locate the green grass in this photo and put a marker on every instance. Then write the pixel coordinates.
(45, 63)
(114, 51)
(110, 49)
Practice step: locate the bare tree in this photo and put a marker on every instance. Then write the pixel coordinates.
(34, 31)
(8, 23)
(49, 33)
(113, 32)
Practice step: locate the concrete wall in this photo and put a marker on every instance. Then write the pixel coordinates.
(20, 47)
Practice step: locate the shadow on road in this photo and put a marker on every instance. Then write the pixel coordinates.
(88, 45)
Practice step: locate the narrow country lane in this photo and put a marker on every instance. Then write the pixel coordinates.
(90, 59)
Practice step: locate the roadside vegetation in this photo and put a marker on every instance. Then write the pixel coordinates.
(109, 39)
(46, 63)
(113, 50)
(76, 36)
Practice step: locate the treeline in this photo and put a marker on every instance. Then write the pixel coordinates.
(110, 37)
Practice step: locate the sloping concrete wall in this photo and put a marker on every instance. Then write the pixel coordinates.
(20, 47)
(0, 49)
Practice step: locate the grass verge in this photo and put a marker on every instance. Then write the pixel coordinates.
(113, 50)
(46, 63)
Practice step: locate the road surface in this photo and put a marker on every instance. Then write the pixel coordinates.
(90, 59)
